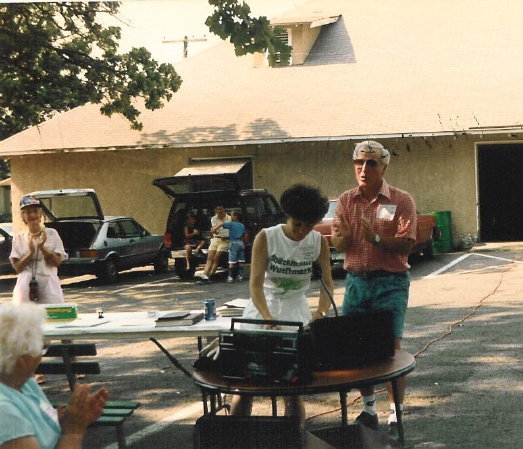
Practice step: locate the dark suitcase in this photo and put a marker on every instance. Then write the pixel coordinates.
(247, 432)
(351, 341)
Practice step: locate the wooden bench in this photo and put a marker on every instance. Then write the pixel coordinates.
(115, 412)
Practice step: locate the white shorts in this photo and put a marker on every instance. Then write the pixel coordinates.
(296, 309)
(219, 245)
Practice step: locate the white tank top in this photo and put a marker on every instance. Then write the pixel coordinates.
(289, 264)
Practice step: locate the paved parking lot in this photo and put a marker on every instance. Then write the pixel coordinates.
(463, 323)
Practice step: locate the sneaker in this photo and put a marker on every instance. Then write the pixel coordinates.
(239, 278)
(394, 431)
(203, 281)
(230, 279)
(367, 420)
(203, 277)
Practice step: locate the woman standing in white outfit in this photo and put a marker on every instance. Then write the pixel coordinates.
(281, 269)
(36, 254)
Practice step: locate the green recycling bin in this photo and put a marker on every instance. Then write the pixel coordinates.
(444, 222)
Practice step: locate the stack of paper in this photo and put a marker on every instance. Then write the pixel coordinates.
(233, 308)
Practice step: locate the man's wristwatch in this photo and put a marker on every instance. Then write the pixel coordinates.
(377, 239)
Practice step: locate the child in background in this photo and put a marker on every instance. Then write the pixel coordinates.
(236, 246)
(193, 239)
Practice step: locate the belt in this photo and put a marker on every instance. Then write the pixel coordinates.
(371, 274)
(223, 238)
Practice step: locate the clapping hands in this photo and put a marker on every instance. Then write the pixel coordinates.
(37, 241)
(368, 232)
(82, 409)
(341, 230)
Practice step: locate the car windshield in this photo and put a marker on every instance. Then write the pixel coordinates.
(332, 208)
(70, 206)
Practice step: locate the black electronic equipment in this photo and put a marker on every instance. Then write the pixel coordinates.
(263, 356)
(351, 341)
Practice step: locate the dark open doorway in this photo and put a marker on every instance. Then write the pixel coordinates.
(500, 192)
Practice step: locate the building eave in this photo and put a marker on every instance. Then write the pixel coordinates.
(479, 131)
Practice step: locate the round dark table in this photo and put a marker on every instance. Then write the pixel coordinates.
(341, 381)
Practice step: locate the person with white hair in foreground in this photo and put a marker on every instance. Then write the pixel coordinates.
(28, 420)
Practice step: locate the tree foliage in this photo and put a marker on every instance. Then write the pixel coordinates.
(232, 19)
(56, 56)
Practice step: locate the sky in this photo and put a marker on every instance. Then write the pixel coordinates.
(147, 23)
(150, 22)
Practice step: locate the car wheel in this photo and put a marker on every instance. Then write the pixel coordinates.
(161, 263)
(180, 267)
(108, 270)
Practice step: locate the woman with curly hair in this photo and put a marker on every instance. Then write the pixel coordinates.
(281, 269)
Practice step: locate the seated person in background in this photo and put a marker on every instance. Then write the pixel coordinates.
(219, 242)
(236, 245)
(28, 420)
(193, 239)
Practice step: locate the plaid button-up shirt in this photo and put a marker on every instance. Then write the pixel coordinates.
(392, 213)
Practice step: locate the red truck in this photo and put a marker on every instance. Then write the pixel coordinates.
(427, 232)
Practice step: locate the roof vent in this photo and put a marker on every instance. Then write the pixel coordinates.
(302, 32)
(286, 38)
(302, 27)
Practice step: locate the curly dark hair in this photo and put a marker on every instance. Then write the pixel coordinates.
(304, 203)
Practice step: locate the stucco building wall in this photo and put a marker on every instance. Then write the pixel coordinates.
(440, 173)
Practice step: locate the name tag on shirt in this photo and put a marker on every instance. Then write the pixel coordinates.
(386, 211)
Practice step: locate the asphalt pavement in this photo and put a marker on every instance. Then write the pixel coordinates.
(464, 325)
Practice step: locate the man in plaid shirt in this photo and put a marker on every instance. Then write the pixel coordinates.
(375, 225)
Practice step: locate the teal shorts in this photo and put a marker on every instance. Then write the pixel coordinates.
(385, 292)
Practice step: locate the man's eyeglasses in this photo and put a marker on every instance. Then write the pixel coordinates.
(370, 162)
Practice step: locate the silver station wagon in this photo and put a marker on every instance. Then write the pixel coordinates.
(98, 244)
